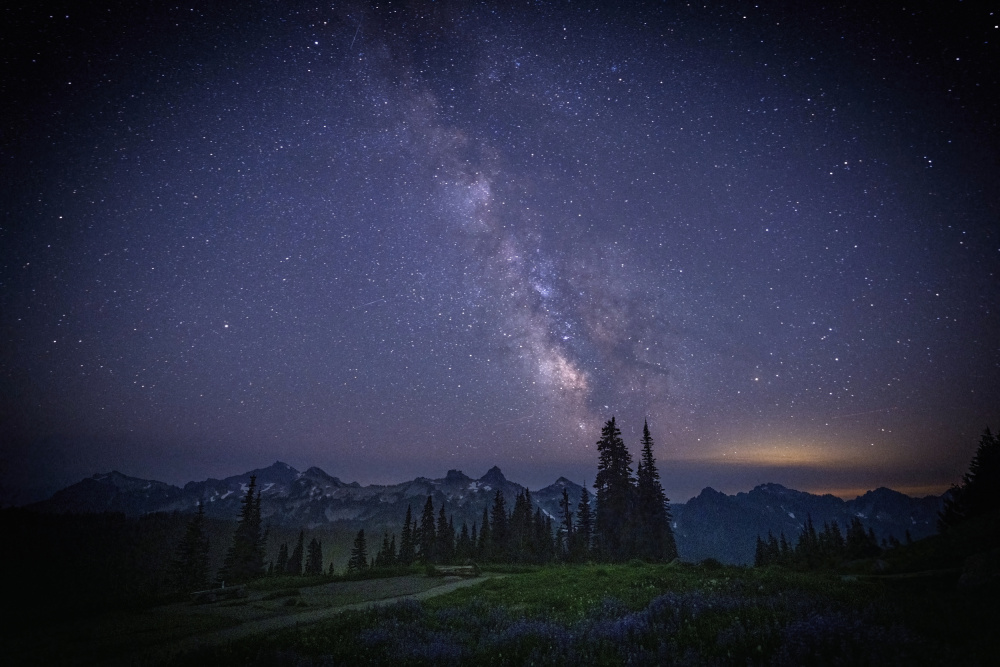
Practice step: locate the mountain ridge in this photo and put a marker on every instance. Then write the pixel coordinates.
(715, 525)
(712, 524)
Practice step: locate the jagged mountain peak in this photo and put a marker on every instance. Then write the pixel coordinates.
(881, 493)
(276, 473)
(560, 484)
(457, 477)
(772, 487)
(708, 493)
(774, 490)
(494, 477)
(315, 472)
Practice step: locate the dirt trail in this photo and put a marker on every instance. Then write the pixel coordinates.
(417, 590)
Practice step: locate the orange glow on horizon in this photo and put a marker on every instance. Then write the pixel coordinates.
(783, 455)
(918, 491)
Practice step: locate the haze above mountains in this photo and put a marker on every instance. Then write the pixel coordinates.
(711, 524)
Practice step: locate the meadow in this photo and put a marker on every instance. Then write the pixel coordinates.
(651, 614)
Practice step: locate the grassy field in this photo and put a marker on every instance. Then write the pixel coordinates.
(652, 614)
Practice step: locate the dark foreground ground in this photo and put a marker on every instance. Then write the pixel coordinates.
(161, 633)
(633, 613)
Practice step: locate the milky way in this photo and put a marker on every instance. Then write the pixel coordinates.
(394, 240)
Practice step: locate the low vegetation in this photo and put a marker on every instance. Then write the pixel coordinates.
(639, 613)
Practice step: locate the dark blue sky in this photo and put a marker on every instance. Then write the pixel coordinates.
(394, 240)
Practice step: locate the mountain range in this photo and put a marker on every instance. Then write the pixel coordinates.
(711, 524)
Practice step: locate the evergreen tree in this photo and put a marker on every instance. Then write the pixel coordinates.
(807, 549)
(831, 544)
(979, 492)
(314, 561)
(519, 530)
(773, 549)
(281, 565)
(655, 536)
(786, 550)
(498, 527)
(445, 546)
(295, 560)
(614, 528)
(407, 547)
(767, 552)
(760, 553)
(245, 558)
(566, 527)
(386, 556)
(484, 547)
(464, 548)
(860, 543)
(190, 568)
(584, 527)
(359, 554)
(427, 533)
(542, 544)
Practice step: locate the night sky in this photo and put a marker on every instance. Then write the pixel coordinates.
(390, 240)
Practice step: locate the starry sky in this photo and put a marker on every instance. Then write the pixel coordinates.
(390, 239)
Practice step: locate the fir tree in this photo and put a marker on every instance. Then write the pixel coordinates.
(979, 492)
(386, 556)
(759, 553)
(463, 547)
(314, 561)
(807, 548)
(427, 533)
(831, 544)
(542, 543)
(281, 565)
(498, 527)
(245, 558)
(359, 554)
(445, 543)
(767, 552)
(655, 537)
(566, 527)
(519, 530)
(190, 568)
(584, 527)
(786, 550)
(407, 549)
(295, 560)
(860, 543)
(614, 528)
(773, 549)
(484, 547)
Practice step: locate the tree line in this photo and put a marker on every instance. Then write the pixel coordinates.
(630, 519)
(818, 549)
(522, 535)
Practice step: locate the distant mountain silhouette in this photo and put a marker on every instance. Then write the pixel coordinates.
(724, 527)
(712, 524)
(111, 492)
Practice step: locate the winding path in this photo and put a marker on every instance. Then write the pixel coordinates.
(162, 653)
